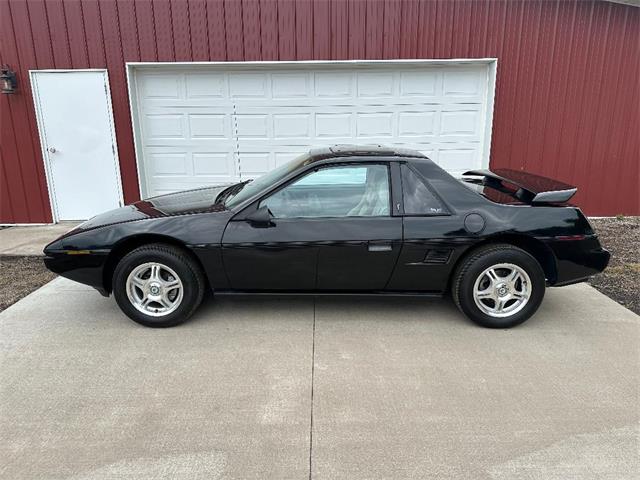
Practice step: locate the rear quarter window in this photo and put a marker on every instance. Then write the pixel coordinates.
(417, 197)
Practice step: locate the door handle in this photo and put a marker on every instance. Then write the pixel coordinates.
(380, 247)
(52, 150)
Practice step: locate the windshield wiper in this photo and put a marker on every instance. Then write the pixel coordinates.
(230, 191)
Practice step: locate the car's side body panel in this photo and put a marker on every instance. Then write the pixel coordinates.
(434, 244)
(201, 233)
(577, 260)
(308, 254)
(393, 254)
(361, 255)
(431, 247)
(277, 258)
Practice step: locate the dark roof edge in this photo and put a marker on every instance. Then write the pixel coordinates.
(363, 150)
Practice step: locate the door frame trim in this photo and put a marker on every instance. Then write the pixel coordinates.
(132, 90)
(42, 136)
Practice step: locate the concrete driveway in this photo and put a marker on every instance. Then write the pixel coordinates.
(347, 388)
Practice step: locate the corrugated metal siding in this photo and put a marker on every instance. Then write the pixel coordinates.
(567, 102)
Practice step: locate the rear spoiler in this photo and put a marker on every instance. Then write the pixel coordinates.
(531, 188)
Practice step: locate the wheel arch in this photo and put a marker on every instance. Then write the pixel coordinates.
(128, 244)
(534, 247)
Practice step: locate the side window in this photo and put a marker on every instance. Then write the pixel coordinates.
(341, 191)
(417, 198)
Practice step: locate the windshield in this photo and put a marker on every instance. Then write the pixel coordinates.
(274, 176)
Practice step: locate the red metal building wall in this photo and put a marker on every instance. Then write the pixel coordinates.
(567, 97)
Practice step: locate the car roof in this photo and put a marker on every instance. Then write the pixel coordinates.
(364, 151)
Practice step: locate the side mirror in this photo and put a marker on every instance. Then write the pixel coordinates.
(261, 218)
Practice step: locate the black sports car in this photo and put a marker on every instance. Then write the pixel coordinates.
(346, 219)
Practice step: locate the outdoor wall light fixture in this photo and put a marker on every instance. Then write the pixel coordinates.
(8, 80)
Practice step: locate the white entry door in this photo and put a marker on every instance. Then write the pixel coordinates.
(78, 142)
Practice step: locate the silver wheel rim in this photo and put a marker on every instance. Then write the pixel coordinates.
(502, 290)
(154, 289)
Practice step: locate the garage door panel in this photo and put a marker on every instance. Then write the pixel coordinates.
(177, 168)
(218, 164)
(190, 144)
(297, 125)
(179, 128)
(428, 84)
(461, 123)
(290, 85)
(368, 124)
(169, 164)
(348, 109)
(154, 86)
(350, 122)
(332, 84)
(215, 124)
(208, 125)
(195, 104)
(254, 164)
(243, 85)
(417, 123)
(163, 125)
(334, 125)
(267, 103)
(375, 84)
(375, 125)
(419, 84)
(195, 147)
(206, 85)
(252, 125)
(463, 83)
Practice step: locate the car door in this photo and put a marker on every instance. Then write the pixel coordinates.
(331, 229)
(277, 257)
(432, 237)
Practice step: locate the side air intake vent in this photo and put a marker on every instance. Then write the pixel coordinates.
(439, 256)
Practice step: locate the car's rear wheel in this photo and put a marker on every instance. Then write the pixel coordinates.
(498, 286)
(158, 285)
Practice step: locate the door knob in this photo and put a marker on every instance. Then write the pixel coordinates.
(52, 150)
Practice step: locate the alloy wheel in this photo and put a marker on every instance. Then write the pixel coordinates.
(502, 290)
(154, 289)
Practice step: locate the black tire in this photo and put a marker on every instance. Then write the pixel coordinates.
(185, 267)
(477, 262)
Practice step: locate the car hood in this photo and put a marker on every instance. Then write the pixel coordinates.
(200, 200)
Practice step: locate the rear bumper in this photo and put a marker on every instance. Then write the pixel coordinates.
(87, 269)
(578, 260)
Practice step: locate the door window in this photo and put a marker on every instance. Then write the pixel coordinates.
(343, 191)
(417, 198)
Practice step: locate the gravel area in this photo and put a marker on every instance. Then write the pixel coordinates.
(19, 276)
(621, 280)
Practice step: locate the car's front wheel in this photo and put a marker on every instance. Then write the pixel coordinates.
(158, 285)
(499, 286)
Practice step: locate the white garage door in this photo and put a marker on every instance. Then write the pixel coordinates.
(208, 124)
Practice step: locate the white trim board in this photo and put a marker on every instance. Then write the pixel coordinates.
(133, 67)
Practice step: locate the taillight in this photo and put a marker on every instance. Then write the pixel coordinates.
(570, 238)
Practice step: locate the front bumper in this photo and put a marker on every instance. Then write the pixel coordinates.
(84, 268)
